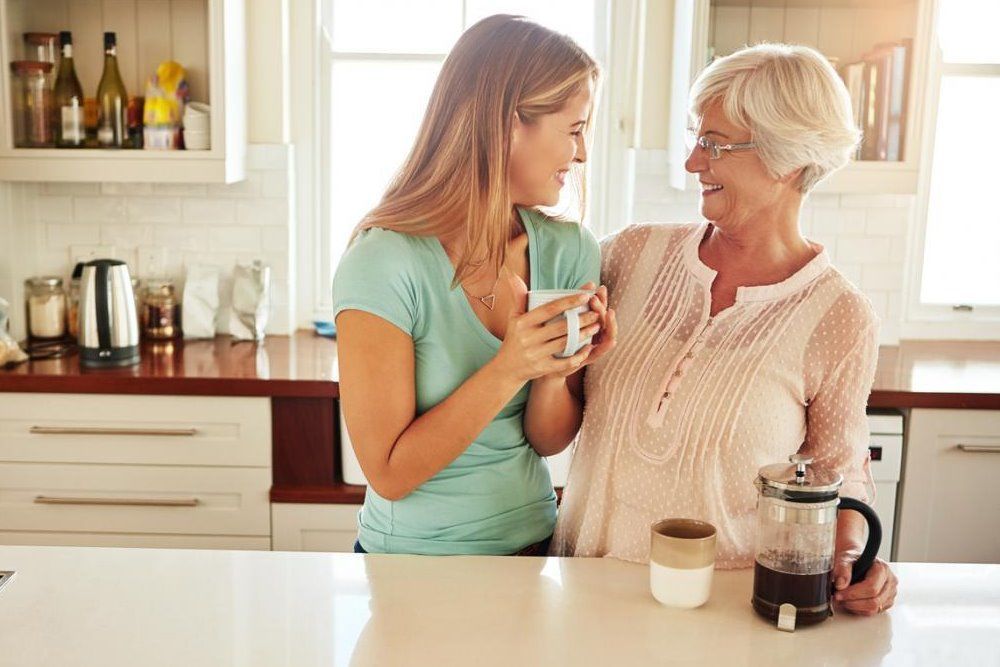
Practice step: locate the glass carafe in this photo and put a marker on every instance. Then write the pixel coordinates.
(796, 540)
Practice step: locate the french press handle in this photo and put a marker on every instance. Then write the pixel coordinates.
(864, 562)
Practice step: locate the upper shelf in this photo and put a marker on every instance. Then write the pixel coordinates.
(208, 37)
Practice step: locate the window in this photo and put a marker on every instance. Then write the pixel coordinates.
(378, 72)
(960, 272)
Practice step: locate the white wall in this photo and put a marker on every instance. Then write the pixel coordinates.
(866, 235)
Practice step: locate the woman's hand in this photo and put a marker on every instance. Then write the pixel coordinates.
(607, 337)
(870, 596)
(532, 341)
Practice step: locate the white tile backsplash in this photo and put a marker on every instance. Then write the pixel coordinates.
(866, 235)
(158, 228)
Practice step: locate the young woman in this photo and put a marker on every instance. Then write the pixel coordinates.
(451, 392)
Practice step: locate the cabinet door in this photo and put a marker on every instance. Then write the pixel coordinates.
(301, 527)
(950, 506)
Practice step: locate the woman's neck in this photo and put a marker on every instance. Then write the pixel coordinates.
(760, 247)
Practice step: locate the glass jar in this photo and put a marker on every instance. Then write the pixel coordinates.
(41, 46)
(161, 311)
(31, 102)
(45, 307)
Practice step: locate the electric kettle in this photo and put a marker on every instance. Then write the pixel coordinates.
(109, 329)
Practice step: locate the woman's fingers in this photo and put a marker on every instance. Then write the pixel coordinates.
(553, 309)
(874, 594)
(868, 587)
(559, 327)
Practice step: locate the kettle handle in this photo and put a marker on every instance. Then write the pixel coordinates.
(867, 557)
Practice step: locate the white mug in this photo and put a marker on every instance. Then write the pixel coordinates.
(574, 344)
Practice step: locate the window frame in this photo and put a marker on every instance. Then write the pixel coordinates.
(609, 152)
(936, 321)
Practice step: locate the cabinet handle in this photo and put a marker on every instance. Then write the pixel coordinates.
(104, 430)
(985, 449)
(143, 502)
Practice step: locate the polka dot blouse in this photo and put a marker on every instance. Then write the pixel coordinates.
(680, 417)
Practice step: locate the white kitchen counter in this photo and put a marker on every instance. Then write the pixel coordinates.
(97, 606)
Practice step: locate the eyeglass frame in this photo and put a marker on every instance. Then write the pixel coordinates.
(714, 149)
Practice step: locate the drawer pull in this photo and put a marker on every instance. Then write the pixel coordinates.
(103, 430)
(143, 502)
(990, 449)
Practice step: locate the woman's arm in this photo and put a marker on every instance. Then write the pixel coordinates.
(837, 438)
(554, 411)
(399, 451)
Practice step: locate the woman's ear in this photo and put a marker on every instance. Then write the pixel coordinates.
(793, 177)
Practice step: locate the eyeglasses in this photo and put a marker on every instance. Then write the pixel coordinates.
(714, 149)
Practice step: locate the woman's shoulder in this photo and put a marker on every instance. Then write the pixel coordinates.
(381, 248)
(849, 307)
(559, 230)
(638, 234)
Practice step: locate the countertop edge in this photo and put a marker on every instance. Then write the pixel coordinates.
(169, 386)
(331, 389)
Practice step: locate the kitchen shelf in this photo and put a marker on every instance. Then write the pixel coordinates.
(208, 37)
(843, 30)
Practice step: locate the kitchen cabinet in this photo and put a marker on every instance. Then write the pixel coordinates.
(114, 470)
(208, 37)
(843, 30)
(319, 527)
(950, 503)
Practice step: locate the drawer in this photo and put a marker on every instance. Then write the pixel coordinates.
(135, 499)
(950, 496)
(135, 540)
(112, 428)
(309, 527)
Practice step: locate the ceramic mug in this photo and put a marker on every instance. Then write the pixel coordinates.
(681, 562)
(574, 343)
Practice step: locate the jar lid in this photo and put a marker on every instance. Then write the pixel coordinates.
(799, 481)
(160, 286)
(44, 281)
(30, 66)
(40, 38)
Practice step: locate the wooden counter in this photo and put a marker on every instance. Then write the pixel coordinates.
(301, 365)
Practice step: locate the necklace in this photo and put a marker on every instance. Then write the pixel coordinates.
(490, 299)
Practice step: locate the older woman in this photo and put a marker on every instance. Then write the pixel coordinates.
(741, 344)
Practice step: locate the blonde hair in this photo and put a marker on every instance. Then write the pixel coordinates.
(797, 109)
(455, 178)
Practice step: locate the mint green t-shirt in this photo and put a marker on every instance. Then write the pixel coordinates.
(497, 496)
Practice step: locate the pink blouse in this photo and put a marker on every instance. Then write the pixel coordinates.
(687, 408)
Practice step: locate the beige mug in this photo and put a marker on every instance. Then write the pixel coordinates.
(681, 562)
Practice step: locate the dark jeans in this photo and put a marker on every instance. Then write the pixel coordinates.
(536, 549)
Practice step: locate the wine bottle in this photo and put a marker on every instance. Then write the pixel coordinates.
(67, 102)
(112, 100)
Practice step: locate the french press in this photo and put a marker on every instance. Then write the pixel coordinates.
(797, 510)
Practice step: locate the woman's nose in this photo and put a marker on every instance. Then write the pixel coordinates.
(697, 160)
(581, 149)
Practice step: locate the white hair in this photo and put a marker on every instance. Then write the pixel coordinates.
(796, 108)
